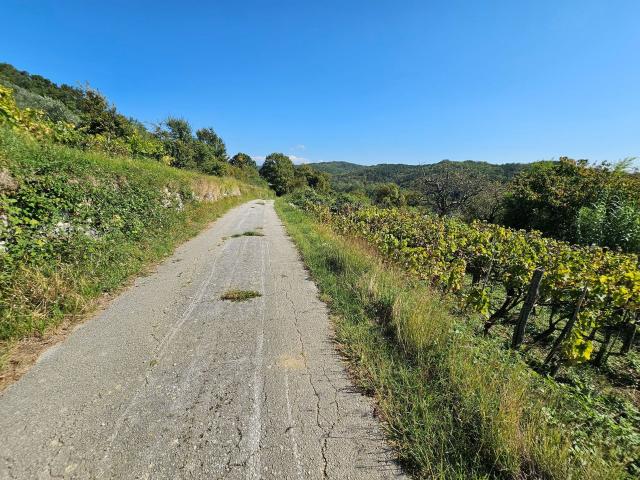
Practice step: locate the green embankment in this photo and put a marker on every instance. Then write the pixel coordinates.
(455, 405)
(76, 224)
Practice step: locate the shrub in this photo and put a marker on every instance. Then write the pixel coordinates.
(612, 222)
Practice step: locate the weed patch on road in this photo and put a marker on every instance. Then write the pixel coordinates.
(239, 295)
(250, 233)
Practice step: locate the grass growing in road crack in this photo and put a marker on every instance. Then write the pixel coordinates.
(454, 405)
(239, 295)
(250, 233)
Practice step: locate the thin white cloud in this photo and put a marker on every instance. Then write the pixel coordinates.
(298, 148)
(294, 158)
(259, 159)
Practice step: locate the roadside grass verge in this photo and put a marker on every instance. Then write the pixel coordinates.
(454, 405)
(75, 225)
(239, 295)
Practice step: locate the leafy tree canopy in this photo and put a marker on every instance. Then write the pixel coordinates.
(242, 160)
(306, 175)
(98, 117)
(279, 172)
(450, 188)
(210, 138)
(549, 195)
(388, 195)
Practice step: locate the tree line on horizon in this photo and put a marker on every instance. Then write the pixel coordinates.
(84, 118)
(570, 200)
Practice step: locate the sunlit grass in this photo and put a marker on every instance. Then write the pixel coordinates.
(455, 405)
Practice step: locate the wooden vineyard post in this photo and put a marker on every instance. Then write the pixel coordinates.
(604, 348)
(529, 302)
(567, 329)
(628, 337)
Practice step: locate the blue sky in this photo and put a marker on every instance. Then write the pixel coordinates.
(363, 81)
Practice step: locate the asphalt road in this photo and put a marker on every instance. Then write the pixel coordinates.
(170, 381)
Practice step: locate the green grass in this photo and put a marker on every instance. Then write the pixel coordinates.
(77, 224)
(454, 405)
(240, 295)
(250, 233)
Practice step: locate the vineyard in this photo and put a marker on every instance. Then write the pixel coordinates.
(588, 297)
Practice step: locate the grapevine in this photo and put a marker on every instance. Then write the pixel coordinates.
(447, 252)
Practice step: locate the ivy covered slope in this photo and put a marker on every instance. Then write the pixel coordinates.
(76, 223)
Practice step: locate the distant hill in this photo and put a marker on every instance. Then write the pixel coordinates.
(345, 175)
(337, 168)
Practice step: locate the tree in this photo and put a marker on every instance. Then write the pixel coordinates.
(178, 129)
(205, 152)
(242, 160)
(209, 137)
(98, 117)
(306, 175)
(177, 137)
(488, 204)
(279, 172)
(71, 97)
(54, 109)
(213, 166)
(549, 195)
(449, 188)
(388, 195)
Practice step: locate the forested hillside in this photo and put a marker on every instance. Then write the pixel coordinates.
(345, 174)
(338, 168)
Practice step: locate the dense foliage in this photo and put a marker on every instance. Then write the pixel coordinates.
(567, 199)
(470, 190)
(69, 96)
(54, 109)
(491, 267)
(242, 160)
(387, 195)
(308, 176)
(284, 177)
(205, 152)
(549, 197)
(84, 118)
(612, 222)
(279, 172)
(346, 175)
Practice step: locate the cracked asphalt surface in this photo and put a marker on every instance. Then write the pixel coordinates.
(169, 381)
